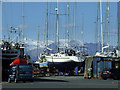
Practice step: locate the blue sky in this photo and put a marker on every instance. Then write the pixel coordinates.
(35, 15)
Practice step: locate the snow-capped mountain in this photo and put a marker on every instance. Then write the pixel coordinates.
(31, 46)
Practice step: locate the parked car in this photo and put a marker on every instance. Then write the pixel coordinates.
(20, 72)
(105, 74)
(111, 73)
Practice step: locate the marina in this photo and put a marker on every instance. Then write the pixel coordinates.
(60, 44)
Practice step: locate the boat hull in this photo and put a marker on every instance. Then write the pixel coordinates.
(65, 66)
(64, 59)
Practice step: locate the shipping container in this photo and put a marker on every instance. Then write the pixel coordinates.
(95, 66)
(101, 63)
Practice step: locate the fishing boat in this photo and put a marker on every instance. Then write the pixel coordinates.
(11, 50)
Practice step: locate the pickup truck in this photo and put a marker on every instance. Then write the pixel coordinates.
(20, 72)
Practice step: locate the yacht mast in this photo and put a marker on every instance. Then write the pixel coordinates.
(75, 20)
(38, 42)
(101, 25)
(68, 23)
(107, 24)
(98, 26)
(23, 18)
(57, 26)
(97, 29)
(82, 33)
(118, 16)
(47, 24)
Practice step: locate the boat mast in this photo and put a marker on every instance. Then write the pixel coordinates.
(82, 31)
(38, 42)
(101, 25)
(98, 24)
(107, 24)
(68, 23)
(97, 33)
(118, 16)
(75, 20)
(57, 26)
(47, 24)
(23, 19)
(96, 30)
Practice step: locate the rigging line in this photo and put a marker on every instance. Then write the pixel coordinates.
(96, 29)
(108, 22)
(45, 29)
(82, 31)
(65, 27)
(118, 7)
(73, 23)
(106, 31)
(68, 22)
(97, 40)
(57, 11)
(38, 42)
(96, 35)
(23, 22)
(98, 24)
(47, 24)
(75, 20)
(101, 25)
(44, 32)
(6, 21)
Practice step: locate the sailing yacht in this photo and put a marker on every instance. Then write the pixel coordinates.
(63, 57)
(104, 53)
(67, 57)
(63, 61)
